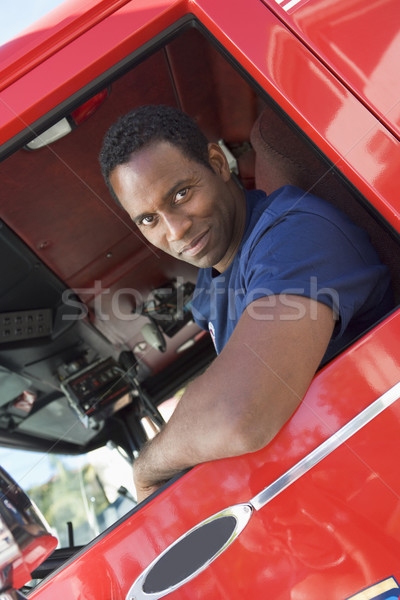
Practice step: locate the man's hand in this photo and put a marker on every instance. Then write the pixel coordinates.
(250, 390)
(143, 492)
(143, 478)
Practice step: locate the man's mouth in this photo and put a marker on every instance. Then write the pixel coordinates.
(196, 245)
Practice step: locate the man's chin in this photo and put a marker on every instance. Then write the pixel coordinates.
(204, 262)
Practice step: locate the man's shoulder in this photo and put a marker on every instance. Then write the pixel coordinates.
(264, 212)
(292, 206)
(290, 199)
(291, 214)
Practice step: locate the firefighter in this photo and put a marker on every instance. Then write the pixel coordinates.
(285, 281)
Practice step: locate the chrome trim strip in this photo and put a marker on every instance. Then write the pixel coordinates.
(243, 512)
(327, 447)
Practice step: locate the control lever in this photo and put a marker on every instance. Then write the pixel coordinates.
(129, 364)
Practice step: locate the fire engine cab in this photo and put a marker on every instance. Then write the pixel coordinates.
(97, 338)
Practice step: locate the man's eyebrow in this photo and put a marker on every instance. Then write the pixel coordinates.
(179, 185)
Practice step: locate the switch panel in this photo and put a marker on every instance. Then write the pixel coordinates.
(25, 325)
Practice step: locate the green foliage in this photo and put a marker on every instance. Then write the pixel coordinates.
(71, 495)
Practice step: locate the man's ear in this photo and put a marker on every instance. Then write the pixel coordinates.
(218, 161)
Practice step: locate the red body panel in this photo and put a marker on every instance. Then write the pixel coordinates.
(332, 533)
(359, 41)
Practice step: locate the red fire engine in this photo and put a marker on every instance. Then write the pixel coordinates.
(314, 514)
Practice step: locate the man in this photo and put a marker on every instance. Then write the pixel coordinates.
(284, 281)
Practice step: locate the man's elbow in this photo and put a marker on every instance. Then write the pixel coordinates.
(246, 437)
(250, 433)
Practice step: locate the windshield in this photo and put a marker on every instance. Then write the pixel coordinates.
(79, 496)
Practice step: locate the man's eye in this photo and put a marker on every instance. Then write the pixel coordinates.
(181, 194)
(148, 220)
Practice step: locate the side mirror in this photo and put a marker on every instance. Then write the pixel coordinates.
(25, 541)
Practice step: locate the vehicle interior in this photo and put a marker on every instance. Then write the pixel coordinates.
(95, 325)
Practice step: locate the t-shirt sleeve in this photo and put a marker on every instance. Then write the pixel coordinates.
(309, 255)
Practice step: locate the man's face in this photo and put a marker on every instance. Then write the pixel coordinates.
(182, 207)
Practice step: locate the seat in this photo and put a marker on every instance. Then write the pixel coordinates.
(283, 157)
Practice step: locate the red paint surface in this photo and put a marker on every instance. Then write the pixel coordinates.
(332, 533)
(336, 530)
(360, 42)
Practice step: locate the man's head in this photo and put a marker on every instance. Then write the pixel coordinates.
(176, 187)
(145, 125)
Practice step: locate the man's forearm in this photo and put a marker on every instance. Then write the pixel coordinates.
(152, 467)
(189, 438)
(200, 430)
(229, 411)
(161, 458)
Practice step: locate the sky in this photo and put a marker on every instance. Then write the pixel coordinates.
(18, 14)
(30, 469)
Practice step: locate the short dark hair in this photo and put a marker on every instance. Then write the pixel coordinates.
(147, 124)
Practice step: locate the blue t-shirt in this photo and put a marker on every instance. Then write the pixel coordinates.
(296, 243)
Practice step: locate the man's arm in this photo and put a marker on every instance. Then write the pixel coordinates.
(251, 389)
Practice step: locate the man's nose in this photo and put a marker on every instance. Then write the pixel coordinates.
(177, 225)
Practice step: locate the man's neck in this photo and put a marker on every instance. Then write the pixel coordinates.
(239, 198)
